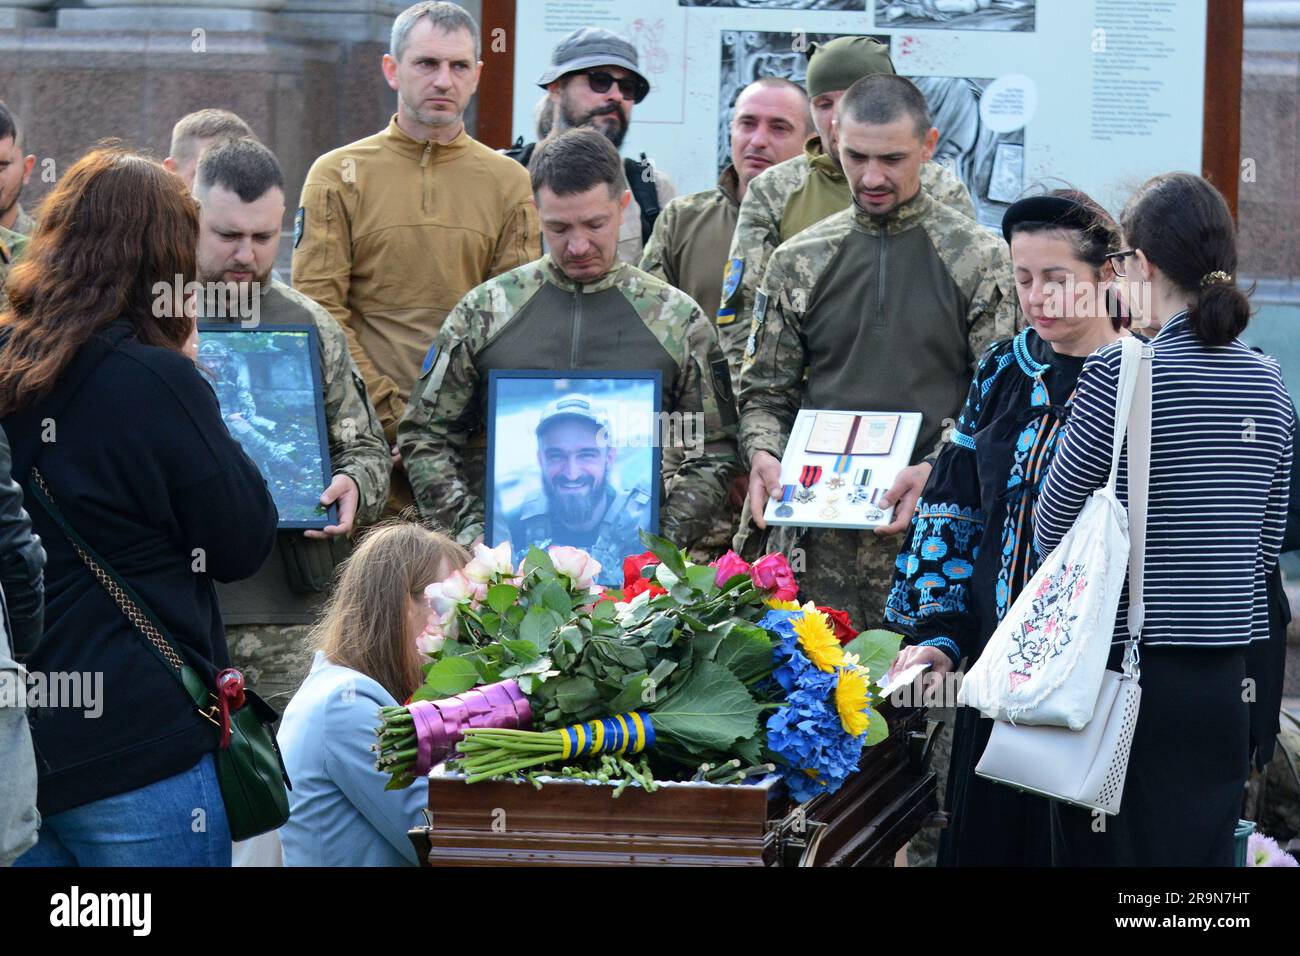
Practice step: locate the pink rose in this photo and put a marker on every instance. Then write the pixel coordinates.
(458, 588)
(493, 561)
(772, 573)
(576, 565)
(729, 565)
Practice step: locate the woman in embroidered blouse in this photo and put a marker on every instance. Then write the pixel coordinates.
(969, 550)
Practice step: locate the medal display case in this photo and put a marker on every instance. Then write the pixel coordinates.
(838, 465)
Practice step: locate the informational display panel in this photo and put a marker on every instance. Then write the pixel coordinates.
(1097, 94)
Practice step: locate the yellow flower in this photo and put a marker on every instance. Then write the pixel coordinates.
(776, 605)
(817, 639)
(851, 700)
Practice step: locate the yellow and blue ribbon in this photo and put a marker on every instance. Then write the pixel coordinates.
(629, 733)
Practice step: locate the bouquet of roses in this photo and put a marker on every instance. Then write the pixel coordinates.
(706, 671)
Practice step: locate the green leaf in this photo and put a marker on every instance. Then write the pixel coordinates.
(515, 616)
(447, 678)
(555, 596)
(575, 694)
(540, 623)
(876, 651)
(604, 611)
(746, 651)
(704, 647)
(522, 650)
(666, 577)
(750, 750)
(502, 596)
(701, 577)
(632, 695)
(877, 729)
(665, 551)
(681, 593)
(539, 560)
(661, 631)
(526, 684)
(710, 711)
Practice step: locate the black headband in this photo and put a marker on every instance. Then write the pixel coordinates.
(1056, 210)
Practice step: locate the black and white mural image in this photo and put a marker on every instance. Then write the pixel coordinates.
(990, 163)
(1004, 15)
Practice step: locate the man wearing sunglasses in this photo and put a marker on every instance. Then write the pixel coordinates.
(594, 80)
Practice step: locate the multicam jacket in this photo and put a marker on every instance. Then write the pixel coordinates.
(688, 249)
(874, 313)
(535, 317)
(783, 201)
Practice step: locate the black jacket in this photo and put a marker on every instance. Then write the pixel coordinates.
(22, 560)
(136, 456)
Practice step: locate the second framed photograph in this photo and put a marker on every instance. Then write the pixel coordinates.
(573, 459)
(268, 382)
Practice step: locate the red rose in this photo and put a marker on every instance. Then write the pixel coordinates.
(632, 566)
(640, 586)
(772, 573)
(844, 631)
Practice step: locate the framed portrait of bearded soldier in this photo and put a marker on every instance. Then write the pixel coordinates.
(573, 459)
(268, 383)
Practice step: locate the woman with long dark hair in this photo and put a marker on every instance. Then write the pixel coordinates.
(969, 551)
(100, 401)
(1221, 447)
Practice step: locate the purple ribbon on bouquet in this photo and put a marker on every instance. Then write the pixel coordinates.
(441, 724)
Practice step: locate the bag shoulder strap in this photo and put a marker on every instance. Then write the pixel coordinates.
(1130, 359)
(645, 187)
(1139, 478)
(136, 611)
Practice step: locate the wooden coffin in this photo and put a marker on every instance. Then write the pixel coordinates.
(575, 823)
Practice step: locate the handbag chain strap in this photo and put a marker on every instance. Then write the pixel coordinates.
(139, 620)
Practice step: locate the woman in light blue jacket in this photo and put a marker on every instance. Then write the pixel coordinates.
(366, 658)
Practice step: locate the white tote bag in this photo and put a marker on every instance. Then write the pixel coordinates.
(1045, 662)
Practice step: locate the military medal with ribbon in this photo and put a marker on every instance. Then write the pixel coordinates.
(809, 476)
(784, 510)
(840, 469)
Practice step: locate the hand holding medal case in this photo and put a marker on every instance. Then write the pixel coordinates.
(838, 465)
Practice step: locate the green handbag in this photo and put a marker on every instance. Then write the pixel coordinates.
(254, 782)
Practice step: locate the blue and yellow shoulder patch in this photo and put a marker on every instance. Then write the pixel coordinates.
(731, 277)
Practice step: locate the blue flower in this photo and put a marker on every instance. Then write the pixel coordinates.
(807, 733)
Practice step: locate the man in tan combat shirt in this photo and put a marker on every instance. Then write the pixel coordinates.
(396, 228)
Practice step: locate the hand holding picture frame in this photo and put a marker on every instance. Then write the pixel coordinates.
(268, 383)
(574, 460)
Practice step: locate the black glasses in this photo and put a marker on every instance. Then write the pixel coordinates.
(632, 87)
(1117, 260)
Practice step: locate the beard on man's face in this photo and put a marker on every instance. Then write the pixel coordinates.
(572, 508)
(614, 130)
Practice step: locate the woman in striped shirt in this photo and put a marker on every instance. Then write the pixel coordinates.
(1220, 471)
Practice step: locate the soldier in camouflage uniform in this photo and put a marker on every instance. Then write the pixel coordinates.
(802, 191)
(576, 308)
(884, 306)
(692, 235)
(268, 616)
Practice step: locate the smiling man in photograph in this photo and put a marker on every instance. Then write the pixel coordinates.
(394, 229)
(579, 307)
(580, 504)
